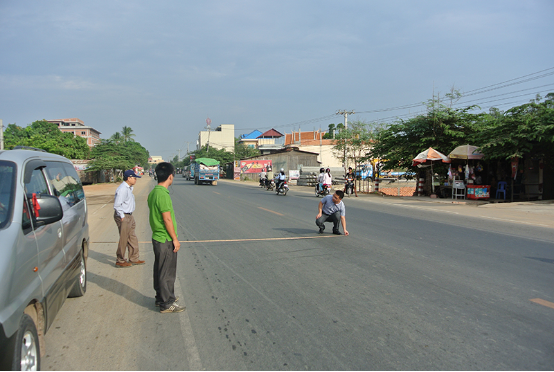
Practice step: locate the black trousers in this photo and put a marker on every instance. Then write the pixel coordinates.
(335, 218)
(165, 272)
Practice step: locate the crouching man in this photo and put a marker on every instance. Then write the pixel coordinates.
(332, 209)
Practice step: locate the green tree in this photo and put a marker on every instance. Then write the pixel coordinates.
(330, 132)
(127, 134)
(116, 137)
(442, 128)
(118, 156)
(217, 154)
(522, 130)
(177, 163)
(242, 151)
(353, 144)
(47, 136)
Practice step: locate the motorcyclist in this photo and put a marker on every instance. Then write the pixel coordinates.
(320, 179)
(349, 177)
(263, 176)
(327, 178)
(280, 178)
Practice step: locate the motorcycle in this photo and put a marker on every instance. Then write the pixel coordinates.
(349, 187)
(324, 190)
(283, 188)
(263, 182)
(270, 185)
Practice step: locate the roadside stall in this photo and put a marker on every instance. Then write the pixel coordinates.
(426, 158)
(468, 175)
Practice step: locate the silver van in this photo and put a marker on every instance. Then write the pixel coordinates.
(44, 237)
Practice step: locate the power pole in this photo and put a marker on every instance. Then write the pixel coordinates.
(187, 146)
(345, 113)
(208, 123)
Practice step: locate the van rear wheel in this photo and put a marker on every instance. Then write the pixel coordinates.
(80, 286)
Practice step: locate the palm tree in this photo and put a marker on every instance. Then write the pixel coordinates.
(127, 134)
(116, 137)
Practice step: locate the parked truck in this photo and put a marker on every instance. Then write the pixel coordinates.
(205, 170)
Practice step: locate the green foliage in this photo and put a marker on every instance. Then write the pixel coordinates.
(526, 130)
(47, 136)
(330, 132)
(242, 151)
(127, 134)
(353, 144)
(522, 130)
(221, 155)
(442, 128)
(116, 137)
(112, 155)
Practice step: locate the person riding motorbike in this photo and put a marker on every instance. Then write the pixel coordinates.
(319, 184)
(280, 178)
(350, 178)
(263, 177)
(327, 178)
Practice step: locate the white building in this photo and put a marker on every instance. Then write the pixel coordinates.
(223, 138)
(155, 160)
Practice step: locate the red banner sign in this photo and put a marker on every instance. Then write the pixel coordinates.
(255, 166)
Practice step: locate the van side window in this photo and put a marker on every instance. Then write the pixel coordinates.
(65, 181)
(7, 192)
(78, 191)
(37, 185)
(57, 176)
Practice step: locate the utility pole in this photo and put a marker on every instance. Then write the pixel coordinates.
(187, 150)
(208, 123)
(345, 113)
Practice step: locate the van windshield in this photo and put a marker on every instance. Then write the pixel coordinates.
(7, 191)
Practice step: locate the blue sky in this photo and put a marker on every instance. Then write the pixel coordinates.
(163, 67)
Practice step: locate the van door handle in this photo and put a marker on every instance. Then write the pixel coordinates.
(60, 233)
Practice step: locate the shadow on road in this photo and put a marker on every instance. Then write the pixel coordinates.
(103, 258)
(123, 290)
(547, 260)
(297, 231)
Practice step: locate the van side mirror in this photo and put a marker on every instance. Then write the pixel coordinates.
(50, 210)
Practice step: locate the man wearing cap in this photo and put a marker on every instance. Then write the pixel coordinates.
(124, 205)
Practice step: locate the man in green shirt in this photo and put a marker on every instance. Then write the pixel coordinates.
(164, 240)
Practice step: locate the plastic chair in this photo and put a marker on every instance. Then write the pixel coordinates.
(458, 189)
(501, 188)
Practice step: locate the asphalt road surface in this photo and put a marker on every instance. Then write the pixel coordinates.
(410, 289)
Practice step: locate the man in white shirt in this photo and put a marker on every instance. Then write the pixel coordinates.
(124, 206)
(280, 178)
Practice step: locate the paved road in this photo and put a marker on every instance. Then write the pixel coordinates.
(415, 286)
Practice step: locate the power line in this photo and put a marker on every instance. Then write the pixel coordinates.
(488, 88)
(507, 81)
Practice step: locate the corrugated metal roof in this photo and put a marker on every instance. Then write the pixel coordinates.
(252, 135)
(272, 133)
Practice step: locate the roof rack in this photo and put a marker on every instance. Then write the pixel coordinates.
(28, 148)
